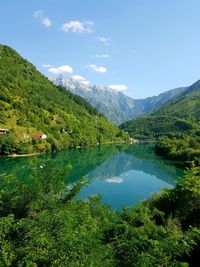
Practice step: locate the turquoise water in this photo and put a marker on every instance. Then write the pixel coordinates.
(121, 174)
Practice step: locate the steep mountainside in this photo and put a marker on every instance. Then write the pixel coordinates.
(116, 106)
(30, 103)
(180, 115)
(154, 102)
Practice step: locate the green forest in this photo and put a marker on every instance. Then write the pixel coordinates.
(186, 149)
(41, 224)
(181, 115)
(175, 127)
(30, 103)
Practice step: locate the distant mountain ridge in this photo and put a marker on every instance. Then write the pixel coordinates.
(115, 105)
(179, 115)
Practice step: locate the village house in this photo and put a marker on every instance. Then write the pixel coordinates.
(4, 131)
(40, 136)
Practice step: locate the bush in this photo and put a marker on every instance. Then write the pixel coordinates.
(42, 225)
(8, 144)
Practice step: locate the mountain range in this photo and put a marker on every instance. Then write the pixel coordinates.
(115, 105)
(179, 115)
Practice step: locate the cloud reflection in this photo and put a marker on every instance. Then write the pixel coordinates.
(115, 180)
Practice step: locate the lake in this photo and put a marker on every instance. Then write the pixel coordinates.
(122, 174)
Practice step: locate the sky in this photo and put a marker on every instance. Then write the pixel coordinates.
(139, 47)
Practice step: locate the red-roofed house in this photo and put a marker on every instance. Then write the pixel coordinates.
(40, 136)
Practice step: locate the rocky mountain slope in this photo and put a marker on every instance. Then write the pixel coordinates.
(116, 106)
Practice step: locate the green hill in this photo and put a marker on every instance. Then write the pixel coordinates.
(30, 103)
(178, 116)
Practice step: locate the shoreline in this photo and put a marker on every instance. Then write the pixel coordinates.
(76, 147)
(21, 155)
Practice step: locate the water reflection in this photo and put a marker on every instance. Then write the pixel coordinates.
(122, 174)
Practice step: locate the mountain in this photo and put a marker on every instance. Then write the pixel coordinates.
(151, 103)
(116, 106)
(30, 103)
(179, 115)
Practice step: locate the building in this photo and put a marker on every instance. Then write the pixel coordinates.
(40, 136)
(4, 131)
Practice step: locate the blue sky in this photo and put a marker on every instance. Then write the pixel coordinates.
(143, 47)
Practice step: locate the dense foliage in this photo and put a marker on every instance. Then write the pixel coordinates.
(30, 103)
(180, 115)
(183, 148)
(41, 225)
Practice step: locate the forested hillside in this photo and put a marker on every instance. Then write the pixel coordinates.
(180, 115)
(176, 124)
(30, 103)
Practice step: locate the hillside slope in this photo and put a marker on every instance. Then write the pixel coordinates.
(116, 106)
(180, 115)
(30, 103)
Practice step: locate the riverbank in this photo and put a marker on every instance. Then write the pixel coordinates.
(22, 155)
(130, 141)
(118, 171)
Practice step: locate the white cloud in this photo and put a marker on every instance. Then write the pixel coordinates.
(118, 87)
(42, 18)
(61, 69)
(47, 66)
(114, 180)
(104, 40)
(103, 56)
(85, 82)
(78, 26)
(46, 22)
(78, 78)
(38, 13)
(96, 68)
(81, 79)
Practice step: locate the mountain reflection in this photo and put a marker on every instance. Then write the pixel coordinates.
(106, 162)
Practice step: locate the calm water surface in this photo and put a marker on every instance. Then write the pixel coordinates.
(122, 174)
